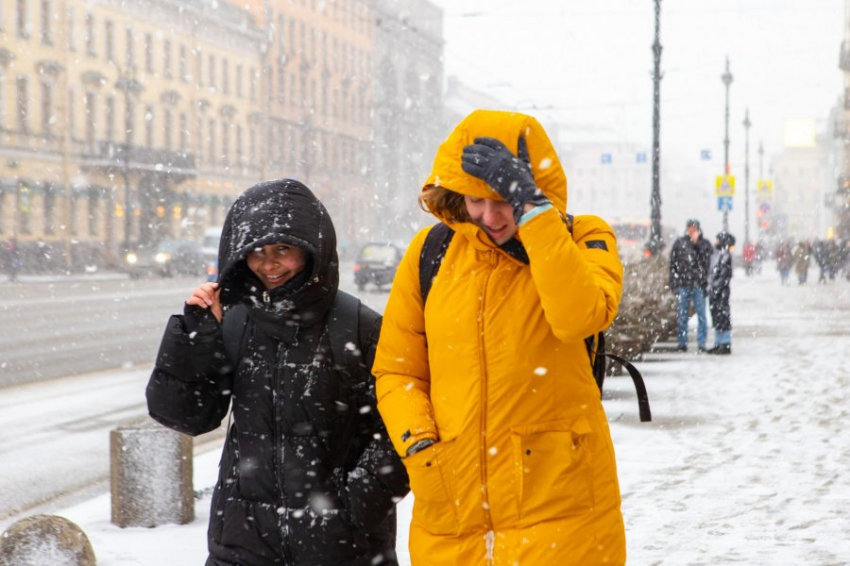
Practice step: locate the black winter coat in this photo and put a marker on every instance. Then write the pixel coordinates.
(307, 475)
(720, 291)
(689, 263)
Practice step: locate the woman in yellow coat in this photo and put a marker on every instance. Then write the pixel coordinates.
(486, 388)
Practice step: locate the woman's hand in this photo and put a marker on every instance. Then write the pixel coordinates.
(206, 296)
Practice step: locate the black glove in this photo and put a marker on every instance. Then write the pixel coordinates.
(491, 161)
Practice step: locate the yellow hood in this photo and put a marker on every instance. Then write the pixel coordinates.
(506, 127)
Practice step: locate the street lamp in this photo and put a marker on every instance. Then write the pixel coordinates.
(727, 80)
(656, 239)
(747, 125)
(127, 84)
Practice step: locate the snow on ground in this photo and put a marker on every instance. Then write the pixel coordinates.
(745, 462)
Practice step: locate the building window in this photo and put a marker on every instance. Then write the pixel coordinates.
(93, 211)
(239, 90)
(130, 48)
(46, 23)
(166, 128)
(129, 121)
(89, 37)
(149, 126)
(22, 19)
(211, 80)
(49, 210)
(166, 59)
(23, 112)
(252, 144)
(200, 151)
(47, 117)
(281, 143)
(225, 76)
(291, 35)
(252, 87)
(199, 67)
(72, 113)
(110, 41)
(89, 108)
(184, 134)
(2, 98)
(183, 63)
(281, 83)
(149, 53)
(72, 30)
(110, 118)
(211, 141)
(225, 142)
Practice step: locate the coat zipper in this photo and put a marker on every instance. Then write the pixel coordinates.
(482, 449)
(277, 451)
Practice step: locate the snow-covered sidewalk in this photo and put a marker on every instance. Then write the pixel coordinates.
(745, 462)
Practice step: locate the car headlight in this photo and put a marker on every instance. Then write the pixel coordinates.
(162, 257)
(131, 258)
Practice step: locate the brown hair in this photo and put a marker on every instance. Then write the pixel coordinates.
(447, 205)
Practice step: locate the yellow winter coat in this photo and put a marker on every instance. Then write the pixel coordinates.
(495, 368)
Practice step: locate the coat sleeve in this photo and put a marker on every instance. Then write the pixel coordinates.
(402, 373)
(379, 479)
(189, 389)
(579, 278)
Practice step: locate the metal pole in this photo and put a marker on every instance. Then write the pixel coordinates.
(727, 80)
(656, 239)
(747, 125)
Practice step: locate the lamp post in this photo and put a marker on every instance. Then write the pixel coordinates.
(128, 85)
(747, 125)
(656, 239)
(727, 80)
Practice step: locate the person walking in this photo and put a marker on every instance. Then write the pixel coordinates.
(689, 262)
(719, 291)
(12, 259)
(802, 260)
(484, 381)
(784, 261)
(308, 475)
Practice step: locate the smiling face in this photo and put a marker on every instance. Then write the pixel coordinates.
(495, 217)
(275, 264)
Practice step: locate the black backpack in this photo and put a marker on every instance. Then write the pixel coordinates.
(348, 332)
(434, 250)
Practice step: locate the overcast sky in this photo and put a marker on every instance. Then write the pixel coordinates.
(591, 62)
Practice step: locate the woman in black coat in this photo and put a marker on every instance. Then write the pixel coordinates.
(719, 292)
(308, 475)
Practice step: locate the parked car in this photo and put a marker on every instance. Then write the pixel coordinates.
(166, 259)
(376, 263)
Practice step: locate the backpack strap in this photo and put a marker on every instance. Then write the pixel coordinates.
(233, 327)
(433, 251)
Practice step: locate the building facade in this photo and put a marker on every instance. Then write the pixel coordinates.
(122, 124)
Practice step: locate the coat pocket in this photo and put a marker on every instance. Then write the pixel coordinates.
(434, 507)
(553, 467)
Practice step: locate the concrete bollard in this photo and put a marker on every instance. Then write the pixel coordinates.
(151, 475)
(45, 539)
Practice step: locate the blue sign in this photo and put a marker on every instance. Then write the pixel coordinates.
(641, 157)
(705, 155)
(724, 203)
(606, 158)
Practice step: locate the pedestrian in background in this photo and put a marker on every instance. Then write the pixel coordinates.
(784, 261)
(486, 387)
(308, 475)
(802, 259)
(689, 262)
(11, 258)
(719, 291)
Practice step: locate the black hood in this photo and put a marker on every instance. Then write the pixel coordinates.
(280, 211)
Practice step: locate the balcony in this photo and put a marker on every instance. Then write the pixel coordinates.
(110, 155)
(30, 142)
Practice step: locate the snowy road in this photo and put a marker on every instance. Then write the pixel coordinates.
(745, 462)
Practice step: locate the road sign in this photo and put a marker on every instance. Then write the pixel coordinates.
(724, 203)
(724, 185)
(606, 158)
(705, 155)
(640, 157)
(764, 187)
